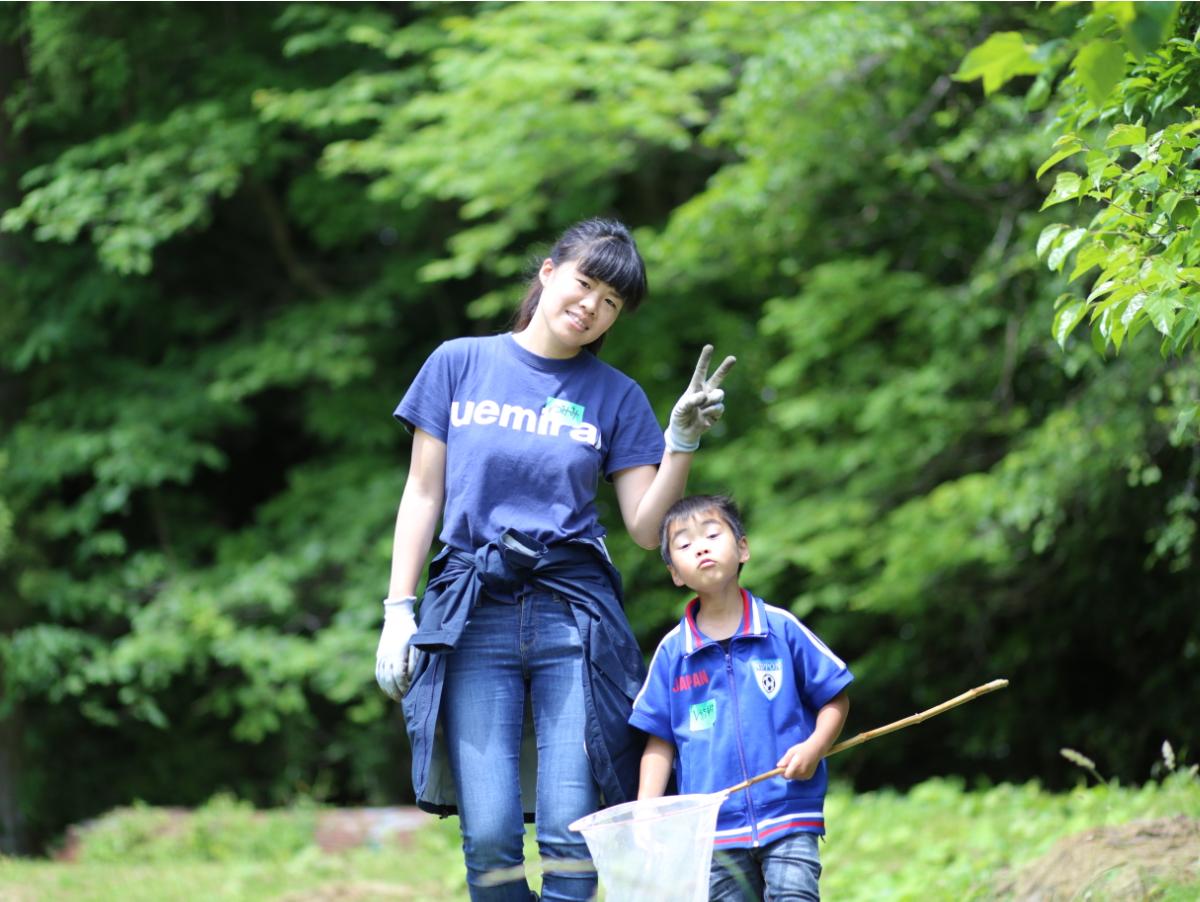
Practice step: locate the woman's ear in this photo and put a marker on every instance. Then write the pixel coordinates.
(743, 550)
(546, 271)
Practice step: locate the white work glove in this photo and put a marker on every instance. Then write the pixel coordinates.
(393, 663)
(698, 407)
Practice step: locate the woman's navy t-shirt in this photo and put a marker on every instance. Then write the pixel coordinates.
(527, 437)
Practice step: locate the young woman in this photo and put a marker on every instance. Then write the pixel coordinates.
(522, 608)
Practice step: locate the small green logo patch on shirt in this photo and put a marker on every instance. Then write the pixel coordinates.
(565, 410)
(703, 715)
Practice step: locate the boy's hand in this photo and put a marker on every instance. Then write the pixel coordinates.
(800, 761)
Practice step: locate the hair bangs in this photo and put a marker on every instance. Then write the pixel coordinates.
(685, 508)
(617, 263)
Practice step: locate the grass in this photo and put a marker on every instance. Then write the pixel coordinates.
(428, 869)
(937, 841)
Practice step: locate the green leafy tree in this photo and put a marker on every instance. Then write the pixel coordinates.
(184, 377)
(228, 273)
(930, 480)
(232, 234)
(1124, 77)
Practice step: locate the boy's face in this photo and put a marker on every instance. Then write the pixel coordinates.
(704, 552)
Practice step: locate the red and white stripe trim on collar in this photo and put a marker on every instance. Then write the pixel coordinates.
(752, 622)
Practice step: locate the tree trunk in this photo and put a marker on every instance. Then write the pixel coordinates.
(13, 836)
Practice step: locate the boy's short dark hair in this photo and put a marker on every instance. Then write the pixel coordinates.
(687, 507)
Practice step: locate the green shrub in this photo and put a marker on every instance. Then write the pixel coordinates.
(224, 829)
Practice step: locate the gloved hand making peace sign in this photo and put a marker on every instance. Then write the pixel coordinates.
(698, 407)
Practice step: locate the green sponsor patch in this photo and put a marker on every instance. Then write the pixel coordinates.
(703, 715)
(565, 410)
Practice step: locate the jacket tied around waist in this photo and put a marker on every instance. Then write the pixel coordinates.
(581, 575)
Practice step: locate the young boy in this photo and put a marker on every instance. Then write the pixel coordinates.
(736, 689)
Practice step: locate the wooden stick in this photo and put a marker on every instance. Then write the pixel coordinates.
(889, 728)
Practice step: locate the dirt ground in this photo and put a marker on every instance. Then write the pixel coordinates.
(337, 829)
(1126, 862)
(345, 828)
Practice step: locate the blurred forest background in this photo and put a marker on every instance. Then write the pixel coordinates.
(963, 424)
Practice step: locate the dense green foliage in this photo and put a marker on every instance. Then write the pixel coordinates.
(1127, 105)
(233, 233)
(970, 845)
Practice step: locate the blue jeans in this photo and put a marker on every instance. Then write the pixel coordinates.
(787, 869)
(505, 652)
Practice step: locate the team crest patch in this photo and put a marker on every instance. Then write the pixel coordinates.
(769, 674)
(702, 715)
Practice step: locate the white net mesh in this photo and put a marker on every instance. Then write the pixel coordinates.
(657, 850)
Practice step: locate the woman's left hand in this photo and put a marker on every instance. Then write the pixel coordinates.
(700, 406)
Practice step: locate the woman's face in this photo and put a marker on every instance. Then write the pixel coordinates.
(574, 310)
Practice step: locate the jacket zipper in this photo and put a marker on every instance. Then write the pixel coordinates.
(737, 719)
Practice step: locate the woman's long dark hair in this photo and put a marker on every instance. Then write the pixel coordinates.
(601, 249)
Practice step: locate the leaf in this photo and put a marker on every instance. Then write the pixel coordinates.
(1066, 187)
(1038, 94)
(1046, 239)
(1133, 308)
(1002, 57)
(1124, 135)
(1069, 242)
(1182, 331)
(1116, 330)
(1058, 156)
(1168, 201)
(1164, 100)
(1117, 293)
(1160, 307)
(1102, 288)
(1151, 23)
(1066, 319)
(1094, 254)
(1099, 167)
(1185, 212)
(1099, 66)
